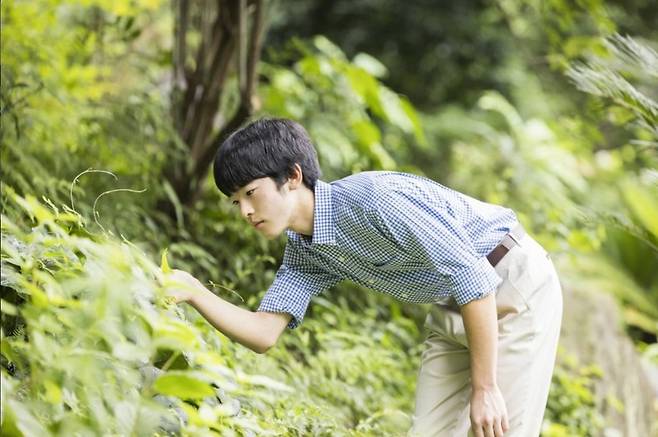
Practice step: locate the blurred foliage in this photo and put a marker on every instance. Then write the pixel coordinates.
(626, 76)
(450, 54)
(431, 53)
(349, 113)
(86, 128)
(453, 52)
(571, 408)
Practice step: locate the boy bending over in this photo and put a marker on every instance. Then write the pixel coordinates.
(496, 298)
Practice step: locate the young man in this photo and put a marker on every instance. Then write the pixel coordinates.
(497, 303)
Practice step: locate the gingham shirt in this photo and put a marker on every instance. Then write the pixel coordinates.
(396, 233)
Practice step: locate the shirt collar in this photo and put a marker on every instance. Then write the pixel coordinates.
(324, 229)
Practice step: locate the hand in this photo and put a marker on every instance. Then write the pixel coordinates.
(181, 285)
(488, 413)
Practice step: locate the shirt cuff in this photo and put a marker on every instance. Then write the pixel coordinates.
(277, 301)
(271, 306)
(475, 282)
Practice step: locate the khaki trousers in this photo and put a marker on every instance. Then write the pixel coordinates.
(529, 306)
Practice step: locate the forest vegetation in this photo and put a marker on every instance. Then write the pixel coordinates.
(111, 113)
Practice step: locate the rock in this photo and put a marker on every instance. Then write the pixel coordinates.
(593, 332)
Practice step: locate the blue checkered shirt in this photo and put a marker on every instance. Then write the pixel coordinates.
(396, 233)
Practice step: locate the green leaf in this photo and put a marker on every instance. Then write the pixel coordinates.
(367, 88)
(395, 113)
(18, 420)
(8, 308)
(640, 320)
(183, 385)
(164, 265)
(408, 109)
(639, 200)
(366, 132)
(324, 45)
(173, 198)
(53, 392)
(176, 335)
(370, 64)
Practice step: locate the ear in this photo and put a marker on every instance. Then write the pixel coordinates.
(296, 177)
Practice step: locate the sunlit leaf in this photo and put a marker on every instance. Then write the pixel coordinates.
(643, 203)
(371, 64)
(164, 265)
(53, 392)
(183, 385)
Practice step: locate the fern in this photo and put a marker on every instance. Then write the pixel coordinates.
(627, 76)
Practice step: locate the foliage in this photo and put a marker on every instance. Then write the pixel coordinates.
(626, 77)
(74, 75)
(453, 53)
(572, 409)
(356, 122)
(90, 356)
(610, 77)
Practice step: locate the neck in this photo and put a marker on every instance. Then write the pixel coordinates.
(302, 217)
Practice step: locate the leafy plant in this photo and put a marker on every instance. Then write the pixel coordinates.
(99, 350)
(362, 124)
(572, 409)
(625, 77)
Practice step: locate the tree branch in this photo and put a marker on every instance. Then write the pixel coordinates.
(230, 31)
(255, 44)
(242, 47)
(204, 159)
(179, 56)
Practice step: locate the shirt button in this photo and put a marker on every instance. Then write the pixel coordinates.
(371, 281)
(405, 295)
(341, 259)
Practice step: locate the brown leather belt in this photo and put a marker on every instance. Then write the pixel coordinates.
(510, 240)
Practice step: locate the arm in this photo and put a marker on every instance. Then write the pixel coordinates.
(488, 411)
(258, 331)
(431, 231)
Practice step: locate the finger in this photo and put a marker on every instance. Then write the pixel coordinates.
(488, 430)
(498, 428)
(505, 424)
(477, 430)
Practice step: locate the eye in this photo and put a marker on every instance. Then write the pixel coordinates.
(250, 192)
(235, 203)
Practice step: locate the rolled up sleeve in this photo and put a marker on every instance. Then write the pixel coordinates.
(292, 290)
(474, 282)
(429, 231)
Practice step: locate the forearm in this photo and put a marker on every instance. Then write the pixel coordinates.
(481, 325)
(256, 330)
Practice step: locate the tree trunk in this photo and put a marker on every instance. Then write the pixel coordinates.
(231, 38)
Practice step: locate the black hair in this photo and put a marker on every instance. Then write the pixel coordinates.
(269, 147)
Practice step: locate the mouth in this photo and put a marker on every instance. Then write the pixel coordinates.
(259, 224)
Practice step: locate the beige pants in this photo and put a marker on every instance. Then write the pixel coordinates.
(529, 303)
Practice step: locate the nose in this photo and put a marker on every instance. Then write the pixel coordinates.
(246, 209)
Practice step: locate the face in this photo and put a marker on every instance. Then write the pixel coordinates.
(264, 206)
